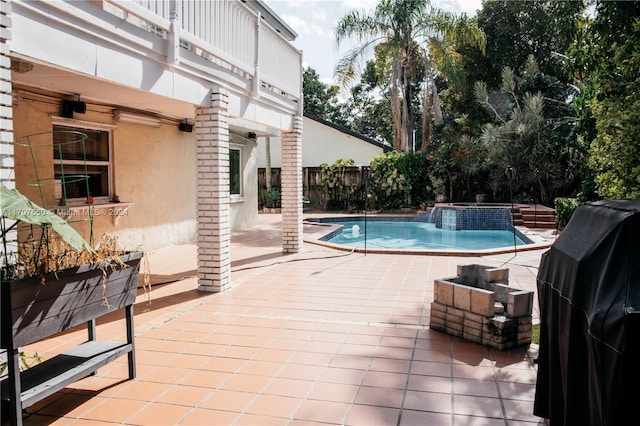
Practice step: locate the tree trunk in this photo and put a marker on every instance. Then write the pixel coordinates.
(407, 118)
(267, 166)
(398, 108)
(427, 122)
(431, 110)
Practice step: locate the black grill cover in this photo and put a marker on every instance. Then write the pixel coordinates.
(589, 295)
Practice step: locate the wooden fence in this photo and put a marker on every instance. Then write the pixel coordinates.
(319, 195)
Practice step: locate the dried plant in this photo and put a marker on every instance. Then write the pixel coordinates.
(41, 251)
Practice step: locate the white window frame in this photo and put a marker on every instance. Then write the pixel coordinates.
(240, 196)
(79, 125)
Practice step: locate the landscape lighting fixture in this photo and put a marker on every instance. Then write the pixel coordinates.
(143, 120)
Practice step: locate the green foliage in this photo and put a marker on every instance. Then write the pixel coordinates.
(16, 206)
(339, 192)
(517, 29)
(514, 30)
(405, 35)
(415, 167)
(606, 61)
(460, 161)
(320, 99)
(564, 210)
(26, 361)
(366, 111)
(532, 133)
(391, 187)
(273, 198)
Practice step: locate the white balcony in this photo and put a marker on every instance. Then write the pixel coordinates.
(159, 56)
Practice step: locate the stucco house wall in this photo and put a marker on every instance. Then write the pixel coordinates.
(150, 59)
(323, 142)
(153, 168)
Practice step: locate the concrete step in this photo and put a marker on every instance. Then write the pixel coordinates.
(538, 224)
(539, 220)
(537, 217)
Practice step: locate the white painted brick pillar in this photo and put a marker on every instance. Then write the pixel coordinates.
(212, 174)
(291, 181)
(7, 173)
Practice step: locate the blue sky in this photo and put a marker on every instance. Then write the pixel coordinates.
(314, 21)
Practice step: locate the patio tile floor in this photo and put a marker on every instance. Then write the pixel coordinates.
(316, 338)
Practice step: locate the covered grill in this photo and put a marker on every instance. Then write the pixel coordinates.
(589, 295)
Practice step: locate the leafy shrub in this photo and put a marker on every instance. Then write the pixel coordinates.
(273, 198)
(564, 210)
(390, 185)
(338, 190)
(415, 168)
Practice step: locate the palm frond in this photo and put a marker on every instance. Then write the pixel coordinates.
(531, 67)
(350, 65)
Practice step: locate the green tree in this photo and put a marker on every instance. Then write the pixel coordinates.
(401, 31)
(459, 162)
(517, 29)
(514, 30)
(605, 61)
(530, 144)
(320, 99)
(367, 110)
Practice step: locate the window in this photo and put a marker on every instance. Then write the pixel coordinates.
(235, 172)
(84, 168)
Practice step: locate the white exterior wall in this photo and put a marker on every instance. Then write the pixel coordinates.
(322, 144)
(244, 210)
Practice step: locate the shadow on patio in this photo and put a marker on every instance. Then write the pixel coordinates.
(314, 338)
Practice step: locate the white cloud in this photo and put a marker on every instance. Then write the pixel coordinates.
(304, 27)
(470, 7)
(314, 21)
(358, 4)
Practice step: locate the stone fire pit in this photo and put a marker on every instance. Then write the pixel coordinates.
(478, 305)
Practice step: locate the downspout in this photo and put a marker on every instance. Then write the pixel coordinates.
(173, 37)
(256, 59)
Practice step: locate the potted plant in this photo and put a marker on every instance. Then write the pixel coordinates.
(56, 281)
(439, 189)
(273, 200)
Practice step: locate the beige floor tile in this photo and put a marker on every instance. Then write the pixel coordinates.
(338, 339)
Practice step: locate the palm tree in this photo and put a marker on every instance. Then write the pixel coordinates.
(405, 34)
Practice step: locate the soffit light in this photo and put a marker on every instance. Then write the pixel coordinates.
(143, 120)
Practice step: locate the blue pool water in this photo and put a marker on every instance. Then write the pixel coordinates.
(409, 235)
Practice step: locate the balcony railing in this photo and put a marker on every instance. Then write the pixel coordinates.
(225, 32)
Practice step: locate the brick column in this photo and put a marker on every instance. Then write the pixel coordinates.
(212, 174)
(7, 173)
(292, 188)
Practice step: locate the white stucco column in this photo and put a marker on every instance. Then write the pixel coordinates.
(291, 178)
(212, 174)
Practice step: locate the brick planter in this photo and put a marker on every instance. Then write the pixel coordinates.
(478, 305)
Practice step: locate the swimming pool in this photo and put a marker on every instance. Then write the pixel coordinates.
(421, 236)
(405, 234)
